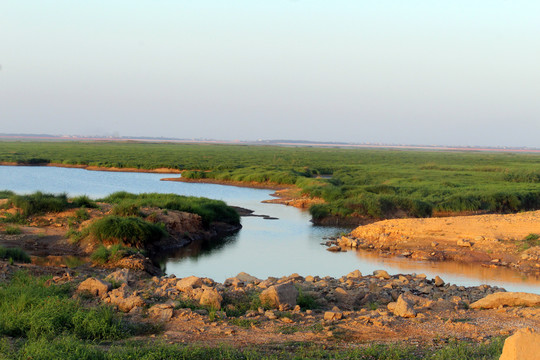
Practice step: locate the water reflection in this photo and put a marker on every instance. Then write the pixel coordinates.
(458, 272)
(197, 250)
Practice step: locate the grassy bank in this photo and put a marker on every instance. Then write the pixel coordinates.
(369, 183)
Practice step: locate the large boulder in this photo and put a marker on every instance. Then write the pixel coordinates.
(382, 274)
(189, 283)
(248, 279)
(282, 295)
(210, 297)
(125, 298)
(161, 312)
(402, 307)
(94, 286)
(499, 299)
(119, 277)
(523, 345)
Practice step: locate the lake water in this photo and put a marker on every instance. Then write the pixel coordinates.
(262, 248)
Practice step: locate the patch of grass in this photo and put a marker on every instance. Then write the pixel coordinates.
(29, 309)
(14, 254)
(209, 210)
(130, 231)
(83, 201)
(244, 323)
(82, 214)
(529, 241)
(115, 252)
(235, 304)
(466, 351)
(306, 301)
(126, 208)
(13, 230)
(39, 203)
(16, 218)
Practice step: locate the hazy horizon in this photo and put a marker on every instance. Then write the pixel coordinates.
(423, 72)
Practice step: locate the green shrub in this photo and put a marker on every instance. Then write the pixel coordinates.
(114, 253)
(16, 218)
(15, 254)
(83, 200)
(39, 203)
(13, 230)
(6, 194)
(82, 214)
(126, 208)
(131, 231)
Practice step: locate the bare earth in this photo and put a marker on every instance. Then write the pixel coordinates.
(493, 240)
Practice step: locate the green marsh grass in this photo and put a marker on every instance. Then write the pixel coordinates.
(15, 254)
(129, 231)
(355, 182)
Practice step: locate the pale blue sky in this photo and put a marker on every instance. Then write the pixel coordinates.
(415, 72)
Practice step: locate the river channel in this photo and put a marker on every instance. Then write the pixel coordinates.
(289, 244)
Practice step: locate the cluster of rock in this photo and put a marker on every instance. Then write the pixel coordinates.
(403, 295)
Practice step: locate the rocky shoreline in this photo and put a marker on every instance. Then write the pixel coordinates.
(353, 308)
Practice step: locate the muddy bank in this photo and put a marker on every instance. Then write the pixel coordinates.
(55, 238)
(492, 240)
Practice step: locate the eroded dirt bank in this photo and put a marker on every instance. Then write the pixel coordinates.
(494, 240)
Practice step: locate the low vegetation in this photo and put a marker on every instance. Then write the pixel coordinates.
(353, 182)
(130, 231)
(210, 210)
(14, 255)
(113, 253)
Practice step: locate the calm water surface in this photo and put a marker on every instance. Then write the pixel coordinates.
(262, 248)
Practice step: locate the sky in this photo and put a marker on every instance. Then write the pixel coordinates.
(427, 72)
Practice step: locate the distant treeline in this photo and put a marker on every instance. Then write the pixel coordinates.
(353, 182)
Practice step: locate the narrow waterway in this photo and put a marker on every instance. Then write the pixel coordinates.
(290, 244)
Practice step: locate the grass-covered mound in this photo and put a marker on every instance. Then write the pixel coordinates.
(14, 254)
(40, 203)
(130, 231)
(209, 210)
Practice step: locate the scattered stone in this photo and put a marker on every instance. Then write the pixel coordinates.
(280, 295)
(356, 274)
(523, 345)
(334, 248)
(119, 277)
(402, 307)
(333, 315)
(160, 312)
(438, 281)
(189, 283)
(464, 243)
(95, 286)
(125, 299)
(210, 297)
(493, 301)
(381, 274)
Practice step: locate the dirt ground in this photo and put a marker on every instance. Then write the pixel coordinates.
(494, 240)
